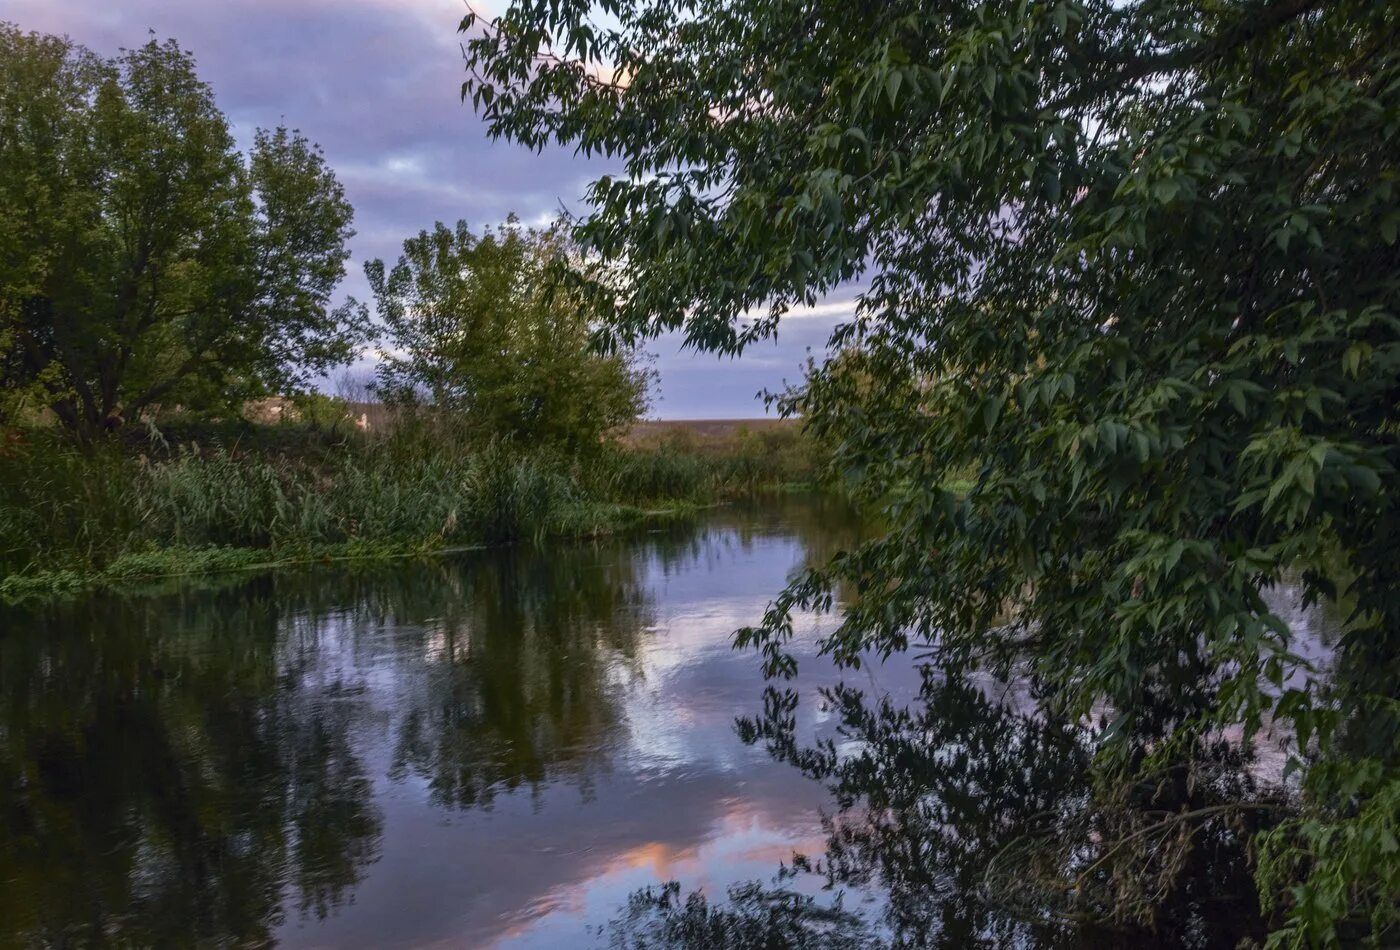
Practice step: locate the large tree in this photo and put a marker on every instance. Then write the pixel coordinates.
(479, 329)
(142, 259)
(1134, 263)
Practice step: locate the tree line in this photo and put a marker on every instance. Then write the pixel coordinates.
(146, 263)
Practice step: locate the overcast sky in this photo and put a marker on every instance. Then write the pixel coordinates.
(377, 84)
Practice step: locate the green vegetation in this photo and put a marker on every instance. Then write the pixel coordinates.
(226, 497)
(143, 260)
(675, 461)
(1133, 263)
(1125, 353)
(150, 275)
(477, 328)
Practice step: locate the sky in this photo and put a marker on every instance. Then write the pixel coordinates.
(377, 84)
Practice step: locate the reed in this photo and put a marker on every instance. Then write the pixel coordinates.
(213, 500)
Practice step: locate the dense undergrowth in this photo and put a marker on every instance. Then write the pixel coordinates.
(207, 498)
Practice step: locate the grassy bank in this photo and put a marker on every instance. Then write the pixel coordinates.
(202, 499)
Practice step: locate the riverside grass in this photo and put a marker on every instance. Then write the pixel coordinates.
(259, 497)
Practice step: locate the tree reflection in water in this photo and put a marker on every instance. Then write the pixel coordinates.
(198, 764)
(516, 687)
(219, 764)
(941, 808)
(155, 793)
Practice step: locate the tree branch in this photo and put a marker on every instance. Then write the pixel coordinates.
(1250, 26)
(165, 385)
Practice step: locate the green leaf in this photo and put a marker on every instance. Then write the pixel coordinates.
(892, 84)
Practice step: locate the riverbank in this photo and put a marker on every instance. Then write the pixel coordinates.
(208, 500)
(177, 562)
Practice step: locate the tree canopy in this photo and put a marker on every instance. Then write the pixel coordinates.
(1132, 263)
(477, 326)
(142, 258)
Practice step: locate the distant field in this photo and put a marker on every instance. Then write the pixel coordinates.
(705, 430)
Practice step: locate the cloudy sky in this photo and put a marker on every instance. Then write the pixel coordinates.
(376, 83)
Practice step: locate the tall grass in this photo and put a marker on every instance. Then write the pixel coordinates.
(64, 508)
(113, 508)
(683, 465)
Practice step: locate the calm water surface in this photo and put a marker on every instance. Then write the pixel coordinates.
(491, 749)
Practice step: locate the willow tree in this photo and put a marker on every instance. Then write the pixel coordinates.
(142, 258)
(1134, 263)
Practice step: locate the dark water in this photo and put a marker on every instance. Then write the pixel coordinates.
(497, 749)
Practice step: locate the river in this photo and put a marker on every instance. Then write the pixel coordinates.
(489, 749)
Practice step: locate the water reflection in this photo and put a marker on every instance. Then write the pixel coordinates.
(498, 749)
(492, 747)
(963, 817)
(959, 812)
(166, 776)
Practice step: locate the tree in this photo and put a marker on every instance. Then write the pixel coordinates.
(141, 259)
(479, 329)
(52, 78)
(1135, 263)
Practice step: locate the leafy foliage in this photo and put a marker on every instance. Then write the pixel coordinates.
(1134, 264)
(142, 260)
(479, 330)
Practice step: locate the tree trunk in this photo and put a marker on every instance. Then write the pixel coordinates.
(85, 418)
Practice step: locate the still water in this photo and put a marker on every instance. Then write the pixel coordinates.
(491, 749)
